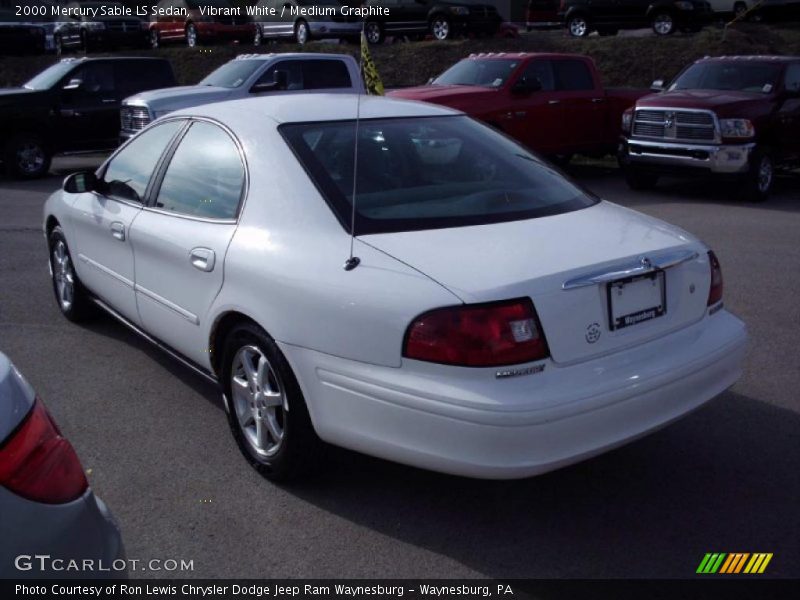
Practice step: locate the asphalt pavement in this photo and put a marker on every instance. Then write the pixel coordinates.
(155, 441)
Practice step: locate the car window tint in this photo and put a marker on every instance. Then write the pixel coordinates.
(543, 71)
(310, 74)
(793, 78)
(573, 75)
(95, 78)
(128, 173)
(205, 176)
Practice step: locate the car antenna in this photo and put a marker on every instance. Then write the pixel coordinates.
(353, 261)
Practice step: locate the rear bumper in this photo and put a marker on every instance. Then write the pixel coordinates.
(722, 159)
(466, 422)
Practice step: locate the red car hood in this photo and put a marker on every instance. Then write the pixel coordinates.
(721, 102)
(449, 95)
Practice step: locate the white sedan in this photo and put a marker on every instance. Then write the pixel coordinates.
(493, 320)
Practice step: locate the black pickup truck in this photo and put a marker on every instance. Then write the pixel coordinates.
(72, 106)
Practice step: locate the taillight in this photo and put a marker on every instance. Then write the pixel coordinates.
(715, 291)
(38, 463)
(478, 335)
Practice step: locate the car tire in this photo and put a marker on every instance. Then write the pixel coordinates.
(58, 42)
(374, 32)
(191, 35)
(302, 34)
(27, 156)
(278, 440)
(86, 45)
(663, 23)
(258, 38)
(72, 298)
(760, 177)
(578, 26)
(640, 180)
(155, 39)
(441, 28)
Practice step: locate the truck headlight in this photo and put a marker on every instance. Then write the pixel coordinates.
(459, 10)
(627, 119)
(736, 128)
(684, 5)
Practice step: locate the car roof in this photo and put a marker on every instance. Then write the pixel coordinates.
(81, 59)
(305, 55)
(523, 55)
(304, 108)
(753, 58)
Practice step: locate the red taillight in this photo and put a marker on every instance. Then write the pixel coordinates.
(38, 463)
(715, 291)
(478, 335)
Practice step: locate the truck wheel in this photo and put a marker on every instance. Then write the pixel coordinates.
(301, 32)
(374, 32)
(27, 156)
(578, 26)
(640, 180)
(760, 177)
(441, 28)
(663, 23)
(191, 35)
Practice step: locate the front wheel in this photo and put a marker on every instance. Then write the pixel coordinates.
(27, 156)
(191, 35)
(578, 26)
(72, 298)
(760, 178)
(259, 38)
(155, 40)
(663, 24)
(441, 28)
(374, 33)
(266, 409)
(301, 32)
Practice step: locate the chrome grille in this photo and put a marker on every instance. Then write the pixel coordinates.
(134, 118)
(675, 125)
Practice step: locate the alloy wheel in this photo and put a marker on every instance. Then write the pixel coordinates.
(30, 158)
(765, 174)
(63, 275)
(154, 41)
(578, 27)
(191, 36)
(663, 24)
(373, 32)
(301, 35)
(259, 38)
(259, 401)
(440, 28)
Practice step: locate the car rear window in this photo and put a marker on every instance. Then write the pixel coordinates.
(428, 173)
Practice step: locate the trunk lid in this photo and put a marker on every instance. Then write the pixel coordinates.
(537, 257)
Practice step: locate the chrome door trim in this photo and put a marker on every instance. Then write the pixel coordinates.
(106, 270)
(189, 316)
(633, 268)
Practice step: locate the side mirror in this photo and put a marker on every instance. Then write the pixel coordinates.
(74, 84)
(523, 85)
(657, 86)
(78, 183)
(280, 81)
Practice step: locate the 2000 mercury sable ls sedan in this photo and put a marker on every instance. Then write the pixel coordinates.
(497, 320)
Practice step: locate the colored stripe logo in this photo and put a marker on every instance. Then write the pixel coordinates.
(734, 563)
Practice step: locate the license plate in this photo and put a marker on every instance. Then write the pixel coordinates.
(636, 299)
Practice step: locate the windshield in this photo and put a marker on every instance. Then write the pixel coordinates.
(428, 173)
(50, 76)
(486, 73)
(733, 76)
(232, 74)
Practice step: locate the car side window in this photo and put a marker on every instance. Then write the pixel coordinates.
(792, 79)
(205, 176)
(128, 173)
(91, 79)
(572, 75)
(310, 74)
(543, 71)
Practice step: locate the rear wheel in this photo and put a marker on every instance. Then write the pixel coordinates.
(259, 38)
(155, 39)
(374, 33)
(638, 179)
(27, 156)
(191, 35)
(663, 23)
(72, 298)
(266, 409)
(441, 28)
(301, 32)
(578, 26)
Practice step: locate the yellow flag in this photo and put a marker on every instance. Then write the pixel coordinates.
(372, 80)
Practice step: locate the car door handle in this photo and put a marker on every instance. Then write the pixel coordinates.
(202, 258)
(554, 101)
(118, 230)
(597, 100)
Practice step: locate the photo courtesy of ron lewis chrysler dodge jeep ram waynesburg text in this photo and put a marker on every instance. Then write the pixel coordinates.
(732, 117)
(422, 298)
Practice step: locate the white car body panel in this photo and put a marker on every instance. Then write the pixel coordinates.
(342, 331)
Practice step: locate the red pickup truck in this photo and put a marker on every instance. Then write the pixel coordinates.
(733, 116)
(553, 103)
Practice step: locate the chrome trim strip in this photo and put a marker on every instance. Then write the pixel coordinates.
(154, 341)
(189, 316)
(106, 270)
(640, 266)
